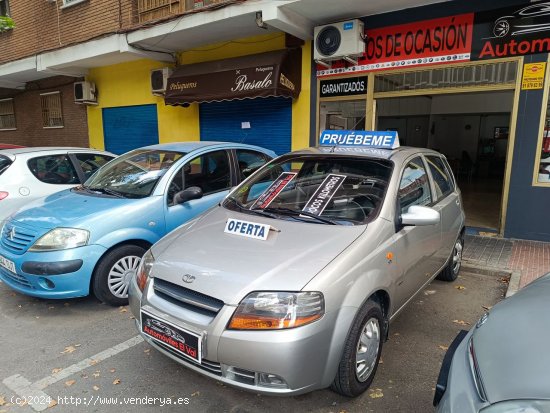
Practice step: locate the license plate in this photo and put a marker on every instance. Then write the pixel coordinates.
(7, 264)
(181, 341)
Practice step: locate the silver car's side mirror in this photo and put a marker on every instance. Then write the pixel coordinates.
(420, 215)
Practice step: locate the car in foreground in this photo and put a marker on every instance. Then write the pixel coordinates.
(27, 174)
(92, 237)
(502, 364)
(290, 283)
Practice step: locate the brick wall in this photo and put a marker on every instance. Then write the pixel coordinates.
(28, 116)
(41, 25)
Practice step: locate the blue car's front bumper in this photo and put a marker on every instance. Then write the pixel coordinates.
(47, 276)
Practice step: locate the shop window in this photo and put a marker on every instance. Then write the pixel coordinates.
(4, 8)
(489, 74)
(343, 115)
(7, 114)
(542, 176)
(414, 188)
(52, 113)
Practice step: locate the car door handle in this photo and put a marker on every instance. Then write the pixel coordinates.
(457, 202)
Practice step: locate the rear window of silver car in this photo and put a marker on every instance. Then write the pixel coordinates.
(316, 188)
(5, 162)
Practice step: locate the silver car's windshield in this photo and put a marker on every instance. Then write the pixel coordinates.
(133, 175)
(315, 188)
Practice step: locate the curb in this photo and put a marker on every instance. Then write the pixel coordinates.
(513, 283)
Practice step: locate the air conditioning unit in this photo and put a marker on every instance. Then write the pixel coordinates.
(343, 40)
(85, 92)
(159, 80)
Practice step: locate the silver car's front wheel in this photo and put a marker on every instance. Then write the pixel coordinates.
(361, 351)
(367, 350)
(113, 274)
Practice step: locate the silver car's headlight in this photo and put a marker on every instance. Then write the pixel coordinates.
(61, 239)
(519, 406)
(271, 310)
(144, 270)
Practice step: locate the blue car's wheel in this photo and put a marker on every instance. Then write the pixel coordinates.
(114, 272)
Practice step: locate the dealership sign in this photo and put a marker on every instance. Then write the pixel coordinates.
(512, 31)
(507, 32)
(441, 40)
(533, 76)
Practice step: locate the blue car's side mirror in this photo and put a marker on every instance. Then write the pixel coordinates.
(193, 192)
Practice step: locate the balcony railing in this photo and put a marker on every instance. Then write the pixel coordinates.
(149, 10)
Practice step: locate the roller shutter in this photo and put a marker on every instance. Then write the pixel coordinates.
(264, 122)
(130, 127)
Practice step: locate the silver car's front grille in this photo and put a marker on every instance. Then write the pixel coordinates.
(206, 365)
(16, 238)
(16, 278)
(188, 298)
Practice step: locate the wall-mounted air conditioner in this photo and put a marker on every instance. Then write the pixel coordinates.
(159, 80)
(339, 40)
(85, 92)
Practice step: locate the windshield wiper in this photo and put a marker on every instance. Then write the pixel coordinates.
(296, 214)
(242, 208)
(105, 191)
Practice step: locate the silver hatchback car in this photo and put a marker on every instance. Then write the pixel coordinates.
(290, 283)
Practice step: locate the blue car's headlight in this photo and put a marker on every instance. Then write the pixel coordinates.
(61, 239)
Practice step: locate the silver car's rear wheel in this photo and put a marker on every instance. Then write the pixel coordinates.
(451, 270)
(367, 350)
(362, 351)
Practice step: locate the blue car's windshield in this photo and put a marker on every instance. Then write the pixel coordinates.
(133, 175)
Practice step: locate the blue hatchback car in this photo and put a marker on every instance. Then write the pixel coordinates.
(91, 238)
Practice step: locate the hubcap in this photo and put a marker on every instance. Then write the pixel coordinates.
(120, 275)
(367, 350)
(457, 257)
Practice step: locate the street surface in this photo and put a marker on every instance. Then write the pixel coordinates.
(80, 355)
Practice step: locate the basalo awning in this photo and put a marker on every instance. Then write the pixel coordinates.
(276, 73)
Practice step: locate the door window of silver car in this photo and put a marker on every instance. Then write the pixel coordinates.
(414, 188)
(250, 162)
(210, 172)
(54, 169)
(442, 180)
(90, 162)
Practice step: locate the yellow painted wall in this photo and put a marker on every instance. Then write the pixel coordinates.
(127, 84)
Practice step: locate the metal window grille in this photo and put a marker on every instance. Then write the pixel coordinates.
(52, 113)
(7, 114)
(4, 8)
(491, 74)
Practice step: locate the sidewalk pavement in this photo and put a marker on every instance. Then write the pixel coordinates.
(525, 260)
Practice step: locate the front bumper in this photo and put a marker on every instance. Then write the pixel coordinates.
(54, 274)
(305, 358)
